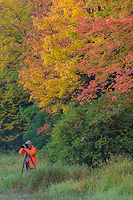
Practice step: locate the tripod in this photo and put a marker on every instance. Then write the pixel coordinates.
(25, 160)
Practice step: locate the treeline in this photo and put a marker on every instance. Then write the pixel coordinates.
(66, 78)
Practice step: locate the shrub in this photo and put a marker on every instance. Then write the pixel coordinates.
(91, 132)
(37, 121)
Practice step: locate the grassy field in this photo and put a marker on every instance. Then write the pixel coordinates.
(113, 181)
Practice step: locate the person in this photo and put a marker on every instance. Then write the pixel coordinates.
(29, 152)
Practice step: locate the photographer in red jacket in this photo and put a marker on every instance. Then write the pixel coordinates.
(29, 152)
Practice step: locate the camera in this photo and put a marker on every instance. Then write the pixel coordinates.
(23, 146)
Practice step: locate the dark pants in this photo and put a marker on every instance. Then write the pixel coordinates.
(27, 166)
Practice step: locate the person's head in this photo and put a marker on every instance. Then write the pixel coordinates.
(29, 144)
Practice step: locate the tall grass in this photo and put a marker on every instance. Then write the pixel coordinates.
(111, 181)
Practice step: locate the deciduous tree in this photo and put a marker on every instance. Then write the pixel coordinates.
(14, 15)
(107, 54)
(51, 75)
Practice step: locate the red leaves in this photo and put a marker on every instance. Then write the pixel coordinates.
(46, 128)
(108, 56)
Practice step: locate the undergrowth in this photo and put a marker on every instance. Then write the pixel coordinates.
(113, 180)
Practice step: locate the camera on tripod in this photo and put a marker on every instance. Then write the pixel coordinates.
(24, 145)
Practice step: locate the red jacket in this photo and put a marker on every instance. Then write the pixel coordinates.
(32, 154)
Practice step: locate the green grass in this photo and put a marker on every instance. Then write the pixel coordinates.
(113, 181)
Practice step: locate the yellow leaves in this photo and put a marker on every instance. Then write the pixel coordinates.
(64, 108)
(9, 138)
(98, 39)
(56, 79)
(10, 126)
(12, 13)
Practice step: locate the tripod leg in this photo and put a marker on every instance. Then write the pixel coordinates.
(24, 163)
(27, 166)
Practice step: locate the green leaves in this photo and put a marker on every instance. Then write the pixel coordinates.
(90, 132)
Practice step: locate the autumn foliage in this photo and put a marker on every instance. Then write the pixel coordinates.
(67, 54)
(50, 70)
(74, 48)
(14, 16)
(108, 56)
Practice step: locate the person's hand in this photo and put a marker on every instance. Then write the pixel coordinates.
(24, 147)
